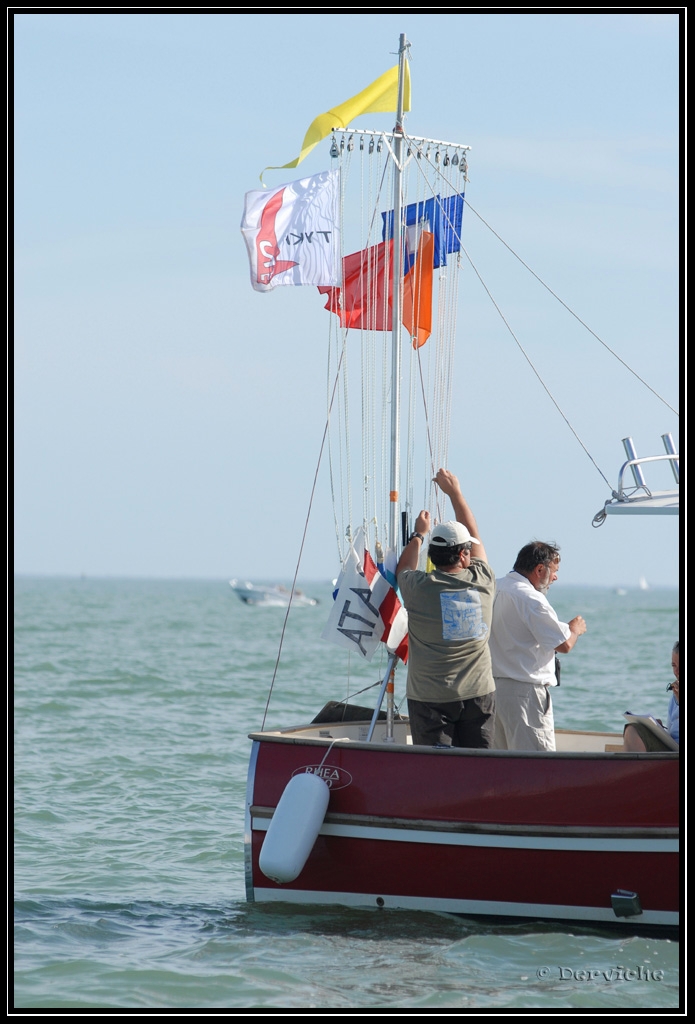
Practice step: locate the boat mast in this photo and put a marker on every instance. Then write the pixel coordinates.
(388, 684)
(396, 304)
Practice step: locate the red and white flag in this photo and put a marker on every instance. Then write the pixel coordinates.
(365, 297)
(366, 609)
(292, 233)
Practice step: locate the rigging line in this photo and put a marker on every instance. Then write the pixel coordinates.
(346, 448)
(408, 406)
(409, 473)
(365, 360)
(550, 290)
(528, 360)
(370, 490)
(358, 693)
(520, 346)
(441, 394)
(306, 527)
(571, 311)
(341, 412)
(380, 183)
(427, 425)
(416, 357)
(339, 527)
(375, 202)
(429, 186)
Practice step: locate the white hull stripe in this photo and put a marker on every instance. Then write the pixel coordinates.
(665, 918)
(510, 842)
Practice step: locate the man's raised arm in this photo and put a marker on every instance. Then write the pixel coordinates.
(449, 484)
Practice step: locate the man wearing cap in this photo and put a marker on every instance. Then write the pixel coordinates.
(526, 633)
(450, 688)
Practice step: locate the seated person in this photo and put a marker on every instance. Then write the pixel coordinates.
(638, 738)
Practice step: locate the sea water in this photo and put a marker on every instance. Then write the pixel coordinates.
(133, 701)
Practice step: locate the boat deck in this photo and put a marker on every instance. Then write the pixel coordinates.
(567, 741)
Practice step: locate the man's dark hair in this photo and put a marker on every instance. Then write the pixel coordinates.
(536, 553)
(444, 556)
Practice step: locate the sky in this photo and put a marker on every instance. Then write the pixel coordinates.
(168, 419)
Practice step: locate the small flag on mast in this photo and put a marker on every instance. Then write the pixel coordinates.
(292, 233)
(366, 609)
(441, 216)
(365, 300)
(417, 292)
(379, 97)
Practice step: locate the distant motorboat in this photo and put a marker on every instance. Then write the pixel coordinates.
(620, 591)
(275, 596)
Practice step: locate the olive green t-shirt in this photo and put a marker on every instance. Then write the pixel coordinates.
(449, 617)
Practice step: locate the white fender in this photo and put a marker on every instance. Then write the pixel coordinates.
(294, 827)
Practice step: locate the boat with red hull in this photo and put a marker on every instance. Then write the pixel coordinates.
(346, 810)
(578, 834)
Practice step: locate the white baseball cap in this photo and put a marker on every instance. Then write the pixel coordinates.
(450, 535)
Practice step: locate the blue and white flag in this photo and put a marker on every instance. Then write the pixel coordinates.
(443, 217)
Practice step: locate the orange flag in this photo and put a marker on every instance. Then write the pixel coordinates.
(417, 292)
(364, 301)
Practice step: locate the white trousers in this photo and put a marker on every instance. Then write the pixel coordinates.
(524, 716)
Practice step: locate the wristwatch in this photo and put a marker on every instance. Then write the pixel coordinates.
(416, 534)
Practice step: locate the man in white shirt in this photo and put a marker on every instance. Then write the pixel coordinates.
(525, 636)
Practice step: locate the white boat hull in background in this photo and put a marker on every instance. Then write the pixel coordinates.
(270, 596)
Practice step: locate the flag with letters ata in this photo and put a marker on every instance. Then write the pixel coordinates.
(292, 233)
(366, 609)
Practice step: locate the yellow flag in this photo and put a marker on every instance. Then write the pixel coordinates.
(379, 97)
